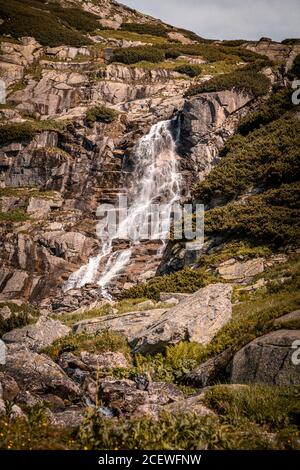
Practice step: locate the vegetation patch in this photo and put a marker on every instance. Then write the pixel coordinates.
(273, 108)
(31, 18)
(14, 216)
(268, 156)
(26, 131)
(100, 342)
(100, 114)
(187, 280)
(249, 80)
(189, 70)
(146, 28)
(21, 315)
(132, 55)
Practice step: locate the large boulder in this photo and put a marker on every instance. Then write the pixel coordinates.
(37, 373)
(197, 319)
(269, 359)
(129, 324)
(38, 336)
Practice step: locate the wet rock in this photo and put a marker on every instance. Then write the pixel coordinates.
(269, 359)
(38, 336)
(197, 318)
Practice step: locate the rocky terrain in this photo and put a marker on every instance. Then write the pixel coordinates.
(203, 339)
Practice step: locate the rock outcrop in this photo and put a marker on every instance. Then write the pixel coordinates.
(197, 319)
(270, 359)
(38, 336)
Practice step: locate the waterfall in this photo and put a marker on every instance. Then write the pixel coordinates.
(156, 180)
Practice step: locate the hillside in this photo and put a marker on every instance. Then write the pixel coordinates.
(111, 344)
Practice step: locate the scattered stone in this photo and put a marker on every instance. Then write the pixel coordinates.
(146, 305)
(5, 313)
(233, 270)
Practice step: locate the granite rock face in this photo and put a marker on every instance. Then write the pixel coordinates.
(197, 319)
(38, 336)
(271, 359)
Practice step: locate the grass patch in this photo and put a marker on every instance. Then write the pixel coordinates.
(14, 216)
(185, 432)
(70, 319)
(131, 36)
(274, 407)
(100, 342)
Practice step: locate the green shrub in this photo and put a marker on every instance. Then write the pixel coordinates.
(186, 280)
(16, 132)
(100, 114)
(189, 69)
(21, 315)
(97, 343)
(256, 220)
(295, 70)
(132, 55)
(145, 28)
(248, 80)
(266, 158)
(26, 20)
(76, 18)
(275, 106)
(33, 433)
(169, 432)
(25, 131)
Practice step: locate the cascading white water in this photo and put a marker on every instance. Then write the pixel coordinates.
(157, 180)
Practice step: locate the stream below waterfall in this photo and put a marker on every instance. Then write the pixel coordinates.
(156, 180)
